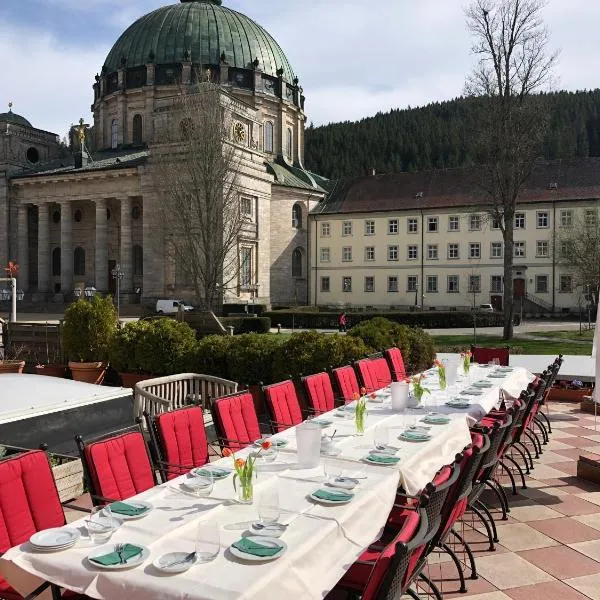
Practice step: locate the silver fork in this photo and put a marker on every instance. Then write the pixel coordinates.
(119, 550)
(180, 561)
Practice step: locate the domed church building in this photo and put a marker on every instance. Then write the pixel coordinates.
(68, 218)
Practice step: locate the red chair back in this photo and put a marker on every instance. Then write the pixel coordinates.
(181, 439)
(394, 357)
(381, 372)
(283, 405)
(235, 420)
(367, 374)
(29, 500)
(346, 382)
(319, 392)
(485, 355)
(118, 467)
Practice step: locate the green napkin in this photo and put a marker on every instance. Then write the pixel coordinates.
(121, 508)
(332, 496)
(497, 375)
(458, 404)
(384, 460)
(472, 392)
(112, 558)
(415, 435)
(251, 547)
(482, 384)
(436, 419)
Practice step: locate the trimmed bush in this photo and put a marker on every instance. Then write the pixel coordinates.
(209, 356)
(88, 328)
(238, 309)
(247, 324)
(250, 358)
(123, 352)
(165, 347)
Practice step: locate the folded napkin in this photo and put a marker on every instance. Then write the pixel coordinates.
(332, 496)
(112, 558)
(497, 375)
(458, 403)
(384, 460)
(482, 384)
(436, 419)
(472, 392)
(214, 471)
(249, 546)
(121, 508)
(415, 435)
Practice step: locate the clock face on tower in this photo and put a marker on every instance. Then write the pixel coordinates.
(239, 132)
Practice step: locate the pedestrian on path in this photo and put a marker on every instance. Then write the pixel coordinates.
(342, 322)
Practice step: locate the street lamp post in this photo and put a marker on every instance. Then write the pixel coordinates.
(14, 296)
(416, 296)
(117, 276)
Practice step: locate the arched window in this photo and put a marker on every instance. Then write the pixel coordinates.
(297, 216)
(138, 261)
(114, 134)
(269, 137)
(56, 262)
(289, 143)
(79, 261)
(138, 130)
(297, 260)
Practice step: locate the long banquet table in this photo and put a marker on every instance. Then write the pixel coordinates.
(323, 541)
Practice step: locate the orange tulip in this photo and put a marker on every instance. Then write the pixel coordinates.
(363, 390)
(227, 452)
(239, 463)
(266, 445)
(373, 395)
(355, 395)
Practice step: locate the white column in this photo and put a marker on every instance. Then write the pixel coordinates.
(43, 263)
(126, 253)
(23, 248)
(66, 248)
(101, 262)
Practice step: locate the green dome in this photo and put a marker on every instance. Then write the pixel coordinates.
(11, 117)
(198, 31)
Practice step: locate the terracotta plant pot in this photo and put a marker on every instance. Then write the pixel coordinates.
(92, 372)
(130, 379)
(11, 366)
(51, 370)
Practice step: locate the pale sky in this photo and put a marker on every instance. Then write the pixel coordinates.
(354, 57)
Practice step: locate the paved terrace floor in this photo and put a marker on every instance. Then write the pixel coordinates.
(549, 547)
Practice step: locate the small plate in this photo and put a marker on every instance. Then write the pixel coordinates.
(217, 472)
(108, 548)
(368, 458)
(414, 438)
(57, 538)
(322, 422)
(170, 557)
(273, 530)
(329, 502)
(343, 483)
(278, 443)
(136, 503)
(197, 484)
(436, 419)
(265, 541)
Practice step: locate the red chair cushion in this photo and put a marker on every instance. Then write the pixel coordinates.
(319, 392)
(381, 372)
(119, 466)
(347, 383)
(236, 420)
(394, 355)
(183, 439)
(367, 374)
(283, 405)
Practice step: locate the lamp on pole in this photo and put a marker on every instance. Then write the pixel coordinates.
(117, 276)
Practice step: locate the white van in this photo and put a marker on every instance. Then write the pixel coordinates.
(171, 307)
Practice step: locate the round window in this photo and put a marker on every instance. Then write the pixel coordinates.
(77, 216)
(135, 212)
(56, 216)
(108, 213)
(33, 155)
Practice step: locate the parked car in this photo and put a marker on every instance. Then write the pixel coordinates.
(171, 307)
(486, 308)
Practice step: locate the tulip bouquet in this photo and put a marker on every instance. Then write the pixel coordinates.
(360, 413)
(418, 388)
(466, 358)
(441, 369)
(244, 473)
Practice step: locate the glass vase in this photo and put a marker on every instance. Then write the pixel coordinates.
(360, 422)
(442, 378)
(244, 488)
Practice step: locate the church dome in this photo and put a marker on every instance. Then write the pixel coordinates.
(15, 119)
(200, 32)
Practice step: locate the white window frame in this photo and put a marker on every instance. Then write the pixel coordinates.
(566, 218)
(496, 245)
(432, 252)
(539, 278)
(325, 254)
(393, 226)
(519, 220)
(472, 288)
(453, 246)
(416, 252)
(323, 279)
(542, 215)
(433, 224)
(393, 250)
(540, 244)
(474, 246)
(346, 228)
(390, 279)
(430, 289)
(561, 288)
(412, 279)
(493, 288)
(517, 246)
(247, 215)
(475, 222)
(325, 229)
(347, 279)
(453, 277)
(412, 225)
(372, 279)
(369, 250)
(454, 219)
(370, 227)
(346, 253)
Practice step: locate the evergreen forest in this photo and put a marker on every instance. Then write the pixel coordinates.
(442, 134)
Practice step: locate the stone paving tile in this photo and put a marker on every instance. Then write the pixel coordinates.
(497, 595)
(549, 590)
(589, 520)
(533, 511)
(545, 472)
(591, 549)
(569, 505)
(510, 570)
(556, 444)
(577, 442)
(588, 585)
(573, 485)
(566, 530)
(520, 536)
(561, 562)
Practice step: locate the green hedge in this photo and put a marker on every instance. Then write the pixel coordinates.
(247, 324)
(253, 309)
(427, 319)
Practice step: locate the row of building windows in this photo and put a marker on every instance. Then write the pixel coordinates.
(475, 223)
(137, 127)
(452, 284)
(79, 253)
(542, 250)
(270, 137)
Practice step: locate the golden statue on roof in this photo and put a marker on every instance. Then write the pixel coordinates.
(81, 132)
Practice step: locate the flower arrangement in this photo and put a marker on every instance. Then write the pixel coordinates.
(441, 369)
(361, 411)
(466, 358)
(418, 388)
(244, 472)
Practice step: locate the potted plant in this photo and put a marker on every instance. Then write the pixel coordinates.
(11, 363)
(86, 333)
(123, 353)
(54, 365)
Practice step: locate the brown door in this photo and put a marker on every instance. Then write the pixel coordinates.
(497, 303)
(519, 288)
(112, 282)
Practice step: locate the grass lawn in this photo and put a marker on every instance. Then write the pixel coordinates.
(587, 334)
(525, 346)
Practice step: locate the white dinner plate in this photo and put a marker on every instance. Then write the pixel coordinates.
(217, 472)
(170, 557)
(57, 538)
(273, 530)
(197, 484)
(108, 548)
(368, 459)
(278, 443)
(270, 542)
(330, 502)
(137, 504)
(324, 423)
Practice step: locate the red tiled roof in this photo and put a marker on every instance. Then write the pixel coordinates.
(576, 179)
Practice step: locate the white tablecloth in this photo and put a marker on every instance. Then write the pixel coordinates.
(323, 541)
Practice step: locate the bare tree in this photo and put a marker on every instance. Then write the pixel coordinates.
(511, 43)
(196, 170)
(578, 248)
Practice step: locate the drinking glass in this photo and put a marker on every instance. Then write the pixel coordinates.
(381, 437)
(100, 524)
(208, 541)
(202, 485)
(268, 507)
(332, 470)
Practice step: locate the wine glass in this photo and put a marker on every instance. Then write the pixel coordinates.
(268, 507)
(381, 438)
(208, 541)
